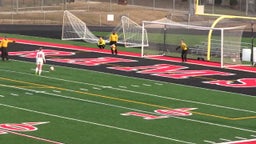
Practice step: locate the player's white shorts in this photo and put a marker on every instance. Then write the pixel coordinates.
(40, 61)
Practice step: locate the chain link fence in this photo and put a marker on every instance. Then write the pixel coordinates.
(91, 12)
(230, 7)
(95, 12)
(17, 5)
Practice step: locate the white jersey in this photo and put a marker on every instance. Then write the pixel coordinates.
(40, 57)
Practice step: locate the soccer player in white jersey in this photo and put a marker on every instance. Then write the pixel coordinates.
(40, 60)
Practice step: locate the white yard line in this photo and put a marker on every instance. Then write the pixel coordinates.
(147, 94)
(97, 124)
(253, 135)
(210, 142)
(31, 137)
(84, 100)
(226, 140)
(241, 138)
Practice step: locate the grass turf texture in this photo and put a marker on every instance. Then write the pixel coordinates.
(85, 106)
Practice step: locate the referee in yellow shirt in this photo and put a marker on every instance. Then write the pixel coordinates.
(4, 48)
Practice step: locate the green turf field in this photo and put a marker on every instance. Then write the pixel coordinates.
(87, 107)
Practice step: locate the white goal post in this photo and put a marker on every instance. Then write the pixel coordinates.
(74, 28)
(130, 33)
(164, 37)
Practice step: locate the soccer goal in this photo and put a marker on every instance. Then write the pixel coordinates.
(132, 33)
(74, 28)
(222, 44)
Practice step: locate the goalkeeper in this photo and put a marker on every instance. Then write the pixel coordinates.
(184, 50)
(113, 49)
(113, 38)
(101, 43)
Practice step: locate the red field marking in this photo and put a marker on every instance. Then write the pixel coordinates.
(243, 68)
(131, 54)
(92, 61)
(190, 61)
(10, 128)
(72, 47)
(32, 137)
(251, 141)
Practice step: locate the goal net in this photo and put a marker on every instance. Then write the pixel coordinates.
(74, 28)
(220, 44)
(132, 33)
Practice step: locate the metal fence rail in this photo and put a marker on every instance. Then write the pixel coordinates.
(94, 12)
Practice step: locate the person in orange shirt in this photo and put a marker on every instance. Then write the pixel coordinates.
(4, 48)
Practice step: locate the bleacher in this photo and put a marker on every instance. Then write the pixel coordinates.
(201, 49)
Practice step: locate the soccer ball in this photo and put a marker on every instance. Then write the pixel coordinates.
(51, 68)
